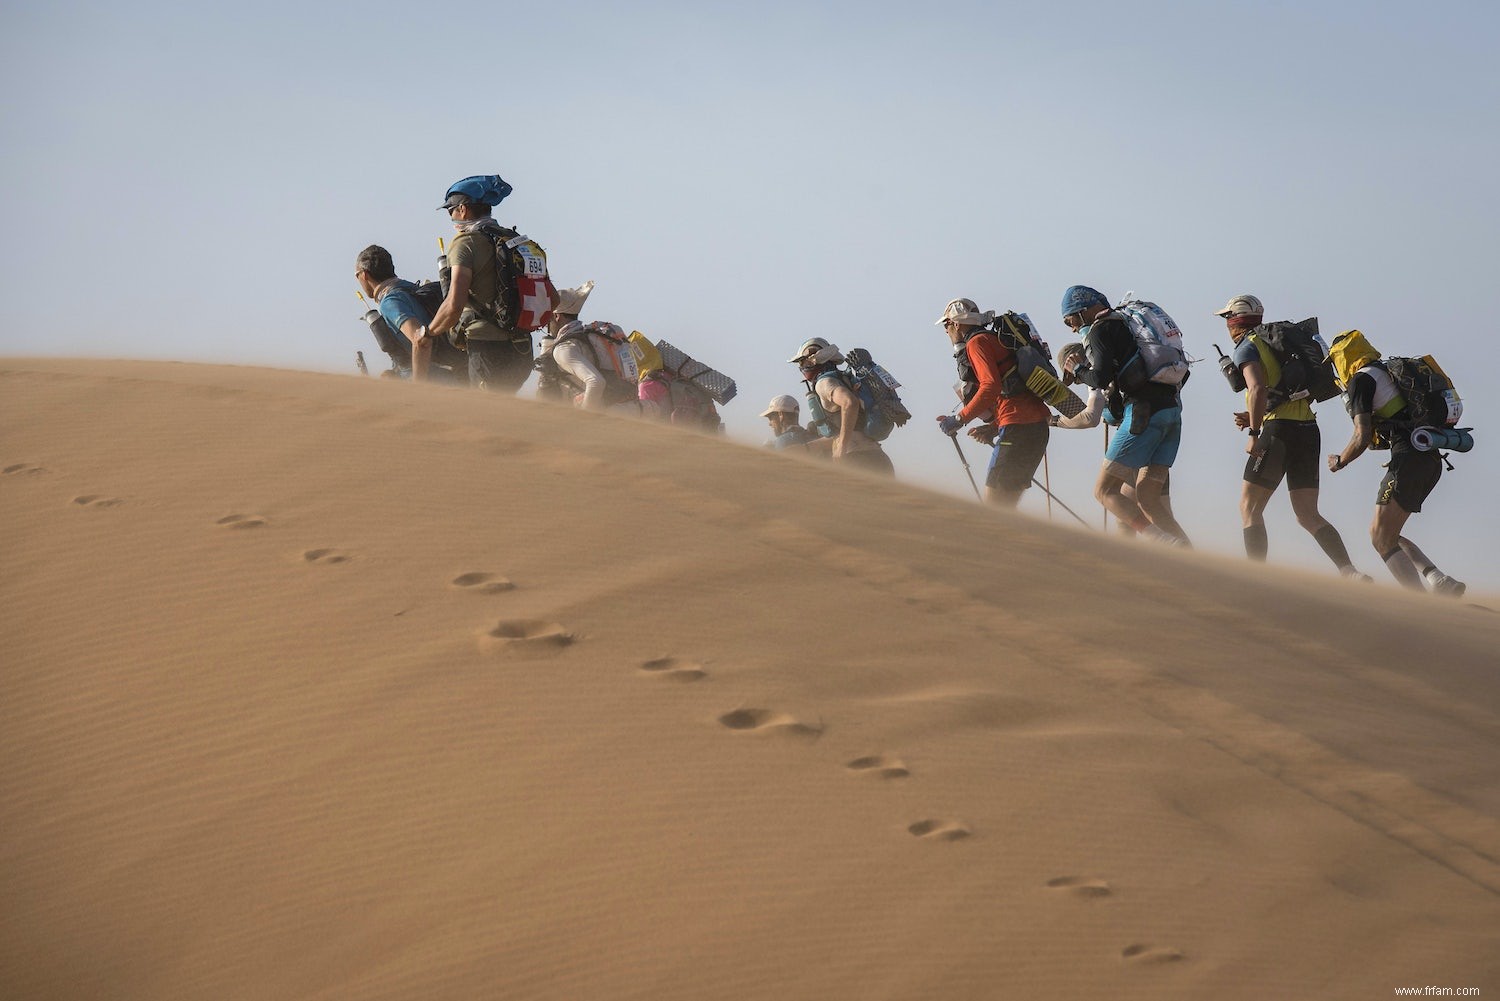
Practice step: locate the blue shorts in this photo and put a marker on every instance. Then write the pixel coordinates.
(1155, 446)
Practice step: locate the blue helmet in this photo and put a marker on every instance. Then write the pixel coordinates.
(1080, 297)
(489, 189)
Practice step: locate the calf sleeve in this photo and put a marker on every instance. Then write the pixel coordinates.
(1333, 544)
(1403, 569)
(1417, 556)
(1256, 543)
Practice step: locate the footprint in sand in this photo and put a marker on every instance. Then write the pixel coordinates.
(241, 521)
(939, 830)
(325, 556)
(482, 583)
(879, 764)
(1142, 953)
(525, 637)
(97, 500)
(674, 669)
(769, 721)
(22, 469)
(1081, 886)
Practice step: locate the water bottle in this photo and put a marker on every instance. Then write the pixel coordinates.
(1231, 371)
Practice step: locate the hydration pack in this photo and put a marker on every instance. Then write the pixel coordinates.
(1031, 353)
(1431, 400)
(525, 294)
(881, 408)
(878, 398)
(1158, 340)
(1306, 371)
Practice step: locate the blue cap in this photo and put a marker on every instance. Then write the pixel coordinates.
(1080, 297)
(489, 189)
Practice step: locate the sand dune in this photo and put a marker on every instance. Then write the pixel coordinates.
(320, 687)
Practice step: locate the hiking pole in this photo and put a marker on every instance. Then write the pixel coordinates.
(965, 460)
(1047, 476)
(1053, 497)
(1106, 455)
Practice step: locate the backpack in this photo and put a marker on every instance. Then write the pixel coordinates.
(1018, 335)
(429, 296)
(525, 293)
(1158, 339)
(613, 357)
(876, 388)
(1306, 371)
(686, 403)
(880, 406)
(1431, 400)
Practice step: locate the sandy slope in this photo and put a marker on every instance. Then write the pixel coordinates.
(319, 687)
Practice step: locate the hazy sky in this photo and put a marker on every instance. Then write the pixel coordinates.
(194, 182)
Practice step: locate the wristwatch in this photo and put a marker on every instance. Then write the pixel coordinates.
(1254, 432)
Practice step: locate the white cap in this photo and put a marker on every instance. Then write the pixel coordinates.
(1242, 305)
(783, 405)
(965, 312)
(817, 351)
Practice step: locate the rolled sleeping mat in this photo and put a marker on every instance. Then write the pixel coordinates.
(1442, 439)
(1052, 392)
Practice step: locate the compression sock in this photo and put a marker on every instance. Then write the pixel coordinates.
(1333, 544)
(1256, 543)
(1403, 569)
(1417, 556)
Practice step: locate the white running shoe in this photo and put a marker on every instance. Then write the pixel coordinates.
(1349, 573)
(1440, 583)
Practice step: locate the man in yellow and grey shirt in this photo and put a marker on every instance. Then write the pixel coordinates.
(1284, 441)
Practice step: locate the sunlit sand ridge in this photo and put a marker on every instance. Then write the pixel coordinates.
(320, 687)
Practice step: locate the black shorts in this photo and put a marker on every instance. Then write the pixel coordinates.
(1019, 449)
(1293, 451)
(499, 366)
(1409, 478)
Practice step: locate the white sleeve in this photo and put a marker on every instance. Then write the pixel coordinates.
(1089, 416)
(573, 358)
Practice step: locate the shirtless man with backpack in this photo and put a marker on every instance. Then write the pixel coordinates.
(841, 407)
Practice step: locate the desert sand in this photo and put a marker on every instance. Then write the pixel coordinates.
(327, 687)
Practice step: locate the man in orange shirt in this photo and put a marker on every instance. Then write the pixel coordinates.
(1014, 421)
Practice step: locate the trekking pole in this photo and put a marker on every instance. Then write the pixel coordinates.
(1053, 497)
(965, 460)
(1106, 453)
(1047, 476)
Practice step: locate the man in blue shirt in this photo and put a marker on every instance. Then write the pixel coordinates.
(402, 332)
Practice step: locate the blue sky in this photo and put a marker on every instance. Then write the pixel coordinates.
(194, 184)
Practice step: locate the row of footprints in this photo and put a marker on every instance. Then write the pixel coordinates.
(539, 636)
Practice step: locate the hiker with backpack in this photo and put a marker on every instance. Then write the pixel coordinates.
(1100, 409)
(1273, 362)
(595, 362)
(1143, 450)
(550, 383)
(1407, 405)
(400, 318)
(497, 289)
(1014, 421)
(784, 415)
(837, 407)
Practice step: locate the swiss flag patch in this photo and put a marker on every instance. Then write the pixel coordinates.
(536, 296)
